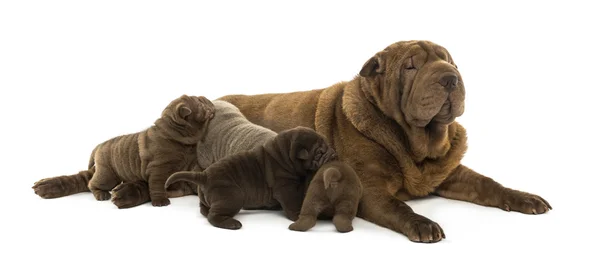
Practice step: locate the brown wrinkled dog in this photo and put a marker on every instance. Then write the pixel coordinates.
(149, 156)
(399, 112)
(334, 189)
(265, 176)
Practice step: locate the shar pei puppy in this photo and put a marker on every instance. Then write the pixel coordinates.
(267, 176)
(394, 123)
(146, 158)
(335, 190)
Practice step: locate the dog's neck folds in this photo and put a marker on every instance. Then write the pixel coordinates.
(419, 143)
(423, 166)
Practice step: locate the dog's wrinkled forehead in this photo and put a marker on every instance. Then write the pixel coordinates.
(306, 136)
(188, 108)
(423, 51)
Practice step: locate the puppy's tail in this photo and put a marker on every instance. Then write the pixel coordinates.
(65, 185)
(331, 177)
(198, 178)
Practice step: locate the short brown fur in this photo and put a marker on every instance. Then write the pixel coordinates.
(335, 190)
(398, 113)
(143, 160)
(266, 176)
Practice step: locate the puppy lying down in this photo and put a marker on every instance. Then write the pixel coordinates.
(336, 191)
(149, 156)
(229, 132)
(265, 176)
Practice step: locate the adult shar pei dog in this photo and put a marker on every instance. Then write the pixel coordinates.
(394, 123)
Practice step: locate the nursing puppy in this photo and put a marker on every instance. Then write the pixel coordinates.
(148, 156)
(334, 190)
(269, 175)
(229, 133)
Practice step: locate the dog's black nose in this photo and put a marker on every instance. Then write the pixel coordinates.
(449, 80)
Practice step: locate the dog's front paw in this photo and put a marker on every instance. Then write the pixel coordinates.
(524, 202)
(160, 202)
(422, 229)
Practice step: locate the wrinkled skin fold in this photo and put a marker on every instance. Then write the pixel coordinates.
(394, 123)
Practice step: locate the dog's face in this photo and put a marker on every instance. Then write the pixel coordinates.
(308, 149)
(187, 115)
(415, 82)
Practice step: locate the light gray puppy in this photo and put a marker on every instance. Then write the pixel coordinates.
(229, 132)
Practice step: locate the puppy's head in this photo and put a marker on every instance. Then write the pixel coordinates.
(187, 117)
(415, 82)
(308, 150)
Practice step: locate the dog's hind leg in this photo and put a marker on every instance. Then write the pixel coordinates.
(130, 194)
(225, 204)
(65, 185)
(311, 208)
(345, 211)
(103, 181)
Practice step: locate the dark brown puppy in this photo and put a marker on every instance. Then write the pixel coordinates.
(146, 158)
(336, 190)
(266, 176)
(399, 113)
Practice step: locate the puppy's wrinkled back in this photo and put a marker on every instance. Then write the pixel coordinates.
(229, 133)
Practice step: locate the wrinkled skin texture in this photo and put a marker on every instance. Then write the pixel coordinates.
(135, 166)
(394, 123)
(265, 177)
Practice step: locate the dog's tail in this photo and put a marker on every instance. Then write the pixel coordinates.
(331, 177)
(196, 177)
(65, 185)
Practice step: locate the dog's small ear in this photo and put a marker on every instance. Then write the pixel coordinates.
(302, 154)
(372, 67)
(182, 110)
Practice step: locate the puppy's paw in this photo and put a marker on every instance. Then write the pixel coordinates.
(304, 223)
(525, 203)
(422, 229)
(50, 188)
(342, 224)
(230, 224)
(298, 227)
(127, 195)
(161, 202)
(101, 195)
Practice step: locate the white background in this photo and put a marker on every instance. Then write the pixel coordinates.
(75, 73)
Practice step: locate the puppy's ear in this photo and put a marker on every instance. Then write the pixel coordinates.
(183, 110)
(372, 67)
(303, 154)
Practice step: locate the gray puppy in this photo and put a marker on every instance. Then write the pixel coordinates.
(229, 133)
